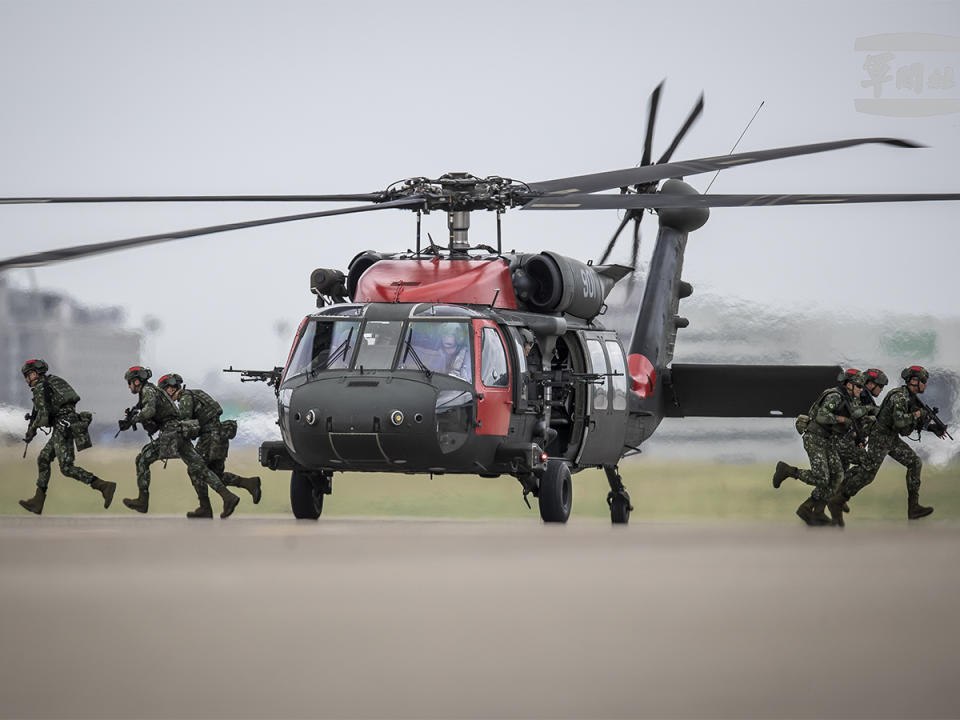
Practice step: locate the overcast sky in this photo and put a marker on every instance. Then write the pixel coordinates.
(256, 98)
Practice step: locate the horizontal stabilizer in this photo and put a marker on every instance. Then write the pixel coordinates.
(695, 390)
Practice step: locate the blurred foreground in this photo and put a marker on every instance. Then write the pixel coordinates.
(265, 617)
(659, 489)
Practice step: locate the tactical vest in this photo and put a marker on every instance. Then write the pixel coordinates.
(166, 410)
(205, 408)
(815, 409)
(885, 416)
(60, 396)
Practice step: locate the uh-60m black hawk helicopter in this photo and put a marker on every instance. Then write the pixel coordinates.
(468, 359)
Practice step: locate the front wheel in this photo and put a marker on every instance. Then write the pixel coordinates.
(556, 492)
(305, 499)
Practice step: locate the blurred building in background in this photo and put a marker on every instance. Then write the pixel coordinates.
(90, 347)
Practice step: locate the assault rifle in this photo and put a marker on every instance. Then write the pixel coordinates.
(270, 377)
(29, 417)
(929, 420)
(127, 422)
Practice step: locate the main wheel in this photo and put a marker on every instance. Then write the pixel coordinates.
(305, 500)
(556, 492)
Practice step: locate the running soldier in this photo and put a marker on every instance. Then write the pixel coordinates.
(898, 416)
(55, 407)
(213, 445)
(854, 456)
(157, 413)
(832, 416)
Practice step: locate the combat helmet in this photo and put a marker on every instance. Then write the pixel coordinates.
(169, 380)
(851, 375)
(36, 365)
(137, 372)
(915, 371)
(878, 376)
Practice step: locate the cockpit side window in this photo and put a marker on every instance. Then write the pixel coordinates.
(493, 360)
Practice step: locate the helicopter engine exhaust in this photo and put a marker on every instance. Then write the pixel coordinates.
(548, 282)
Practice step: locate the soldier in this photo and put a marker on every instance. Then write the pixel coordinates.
(896, 417)
(213, 443)
(55, 407)
(157, 413)
(831, 417)
(854, 455)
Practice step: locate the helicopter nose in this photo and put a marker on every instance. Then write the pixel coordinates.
(364, 422)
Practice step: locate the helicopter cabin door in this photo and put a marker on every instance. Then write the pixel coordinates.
(492, 379)
(607, 397)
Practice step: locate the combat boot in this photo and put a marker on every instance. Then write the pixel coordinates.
(914, 509)
(783, 472)
(252, 486)
(835, 505)
(204, 511)
(107, 489)
(811, 512)
(230, 502)
(141, 503)
(35, 504)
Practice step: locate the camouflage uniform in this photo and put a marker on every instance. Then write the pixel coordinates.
(822, 441)
(852, 455)
(54, 404)
(894, 419)
(158, 412)
(213, 445)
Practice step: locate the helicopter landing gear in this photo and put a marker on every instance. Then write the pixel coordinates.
(306, 493)
(618, 498)
(556, 492)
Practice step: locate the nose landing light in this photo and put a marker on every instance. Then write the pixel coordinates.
(396, 417)
(311, 417)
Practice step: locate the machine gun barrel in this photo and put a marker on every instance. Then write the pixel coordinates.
(270, 377)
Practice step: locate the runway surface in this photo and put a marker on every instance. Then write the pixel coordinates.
(268, 617)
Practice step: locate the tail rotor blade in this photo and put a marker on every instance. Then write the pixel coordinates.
(691, 119)
(651, 119)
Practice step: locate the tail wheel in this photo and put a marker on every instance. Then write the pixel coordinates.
(306, 499)
(556, 492)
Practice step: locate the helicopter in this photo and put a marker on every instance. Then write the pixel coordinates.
(466, 359)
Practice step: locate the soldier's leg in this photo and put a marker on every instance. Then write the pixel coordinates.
(148, 455)
(200, 473)
(819, 475)
(250, 484)
(904, 454)
(35, 504)
(865, 473)
(65, 456)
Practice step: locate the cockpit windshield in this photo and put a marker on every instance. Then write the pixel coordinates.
(442, 347)
(428, 345)
(324, 345)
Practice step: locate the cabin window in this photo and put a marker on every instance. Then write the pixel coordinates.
(442, 347)
(493, 360)
(324, 345)
(599, 364)
(619, 380)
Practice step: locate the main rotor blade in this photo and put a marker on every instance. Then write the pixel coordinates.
(651, 120)
(361, 197)
(688, 123)
(78, 251)
(670, 200)
(613, 240)
(651, 173)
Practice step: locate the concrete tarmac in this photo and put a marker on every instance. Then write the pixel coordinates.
(273, 618)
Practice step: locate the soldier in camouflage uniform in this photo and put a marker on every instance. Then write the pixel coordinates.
(157, 413)
(829, 421)
(854, 455)
(213, 444)
(897, 417)
(55, 407)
